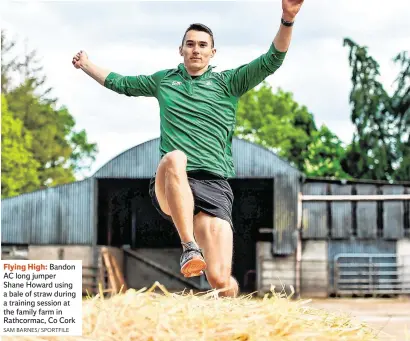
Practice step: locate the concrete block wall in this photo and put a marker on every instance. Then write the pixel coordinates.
(403, 261)
(277, 271)
(314, 269)
(281, 271)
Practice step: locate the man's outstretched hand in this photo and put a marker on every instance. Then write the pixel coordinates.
(80, 59)
(291, 8)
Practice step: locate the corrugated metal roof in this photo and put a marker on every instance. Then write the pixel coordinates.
(140, 161)
(250, 160)
(58, 215)
(253, 161)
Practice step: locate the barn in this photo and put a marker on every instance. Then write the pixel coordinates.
(281, 239)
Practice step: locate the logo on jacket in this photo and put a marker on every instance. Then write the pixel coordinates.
(176, 83)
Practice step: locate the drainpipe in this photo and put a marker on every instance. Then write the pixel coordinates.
(299, 246)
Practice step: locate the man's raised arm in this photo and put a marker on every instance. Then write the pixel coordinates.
(140, 85)
(81, 61)
(290, 9)
(247, 76)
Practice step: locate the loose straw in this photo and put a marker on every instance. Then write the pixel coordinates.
(155, 314)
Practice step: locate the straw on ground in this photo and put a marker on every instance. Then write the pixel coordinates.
(149, 315)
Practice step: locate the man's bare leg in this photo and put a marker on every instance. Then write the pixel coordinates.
(175, 199)
(215, 237)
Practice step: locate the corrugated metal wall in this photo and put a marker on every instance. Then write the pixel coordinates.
(59, 215)
(285, 192)
(407, 212)
(341, 213)
(393, 214)
(253, 161)
(314, 217)
(366, 213)
(377, 246)
(388, 220)
(18, 215)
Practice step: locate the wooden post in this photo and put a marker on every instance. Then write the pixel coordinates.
(101, 276)
(299, 246)
(118, 273)
(108, 265)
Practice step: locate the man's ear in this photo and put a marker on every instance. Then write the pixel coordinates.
(180, 50)
(213, 52)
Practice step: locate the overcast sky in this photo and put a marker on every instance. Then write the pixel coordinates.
(142, 37)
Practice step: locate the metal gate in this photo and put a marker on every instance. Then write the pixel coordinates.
(370, 274)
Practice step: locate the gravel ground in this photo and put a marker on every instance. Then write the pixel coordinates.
(391, 316)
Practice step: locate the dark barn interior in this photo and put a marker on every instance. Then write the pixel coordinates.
(127, 217)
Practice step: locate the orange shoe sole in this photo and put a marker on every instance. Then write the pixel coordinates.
(193, 268)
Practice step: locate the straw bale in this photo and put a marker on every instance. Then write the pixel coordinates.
(158, 315)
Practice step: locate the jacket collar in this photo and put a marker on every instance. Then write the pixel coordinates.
(185, 74)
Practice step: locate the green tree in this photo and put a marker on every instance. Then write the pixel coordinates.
(277, 122)
(60, 151)
(18, 168)
(6, 67)
(324, 154)
(400, 102)
(380, 145)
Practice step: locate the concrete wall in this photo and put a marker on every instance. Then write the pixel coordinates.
(280, 271)
(277, 271)
(403, 255)
(89, 256)
(13, 252)
(314, 269)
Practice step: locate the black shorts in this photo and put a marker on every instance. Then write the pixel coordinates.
(212, 195)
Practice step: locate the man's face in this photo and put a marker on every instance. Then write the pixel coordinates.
(197, 51)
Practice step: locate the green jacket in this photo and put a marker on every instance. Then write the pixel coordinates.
(198, 115)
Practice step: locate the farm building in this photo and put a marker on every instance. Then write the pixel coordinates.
(320, 247)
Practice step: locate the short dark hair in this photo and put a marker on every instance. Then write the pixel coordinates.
(201, 28)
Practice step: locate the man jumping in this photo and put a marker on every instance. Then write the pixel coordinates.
(198, 116)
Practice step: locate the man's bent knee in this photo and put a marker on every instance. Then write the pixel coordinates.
(174, 160)
(219, 280)
(226, 283)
